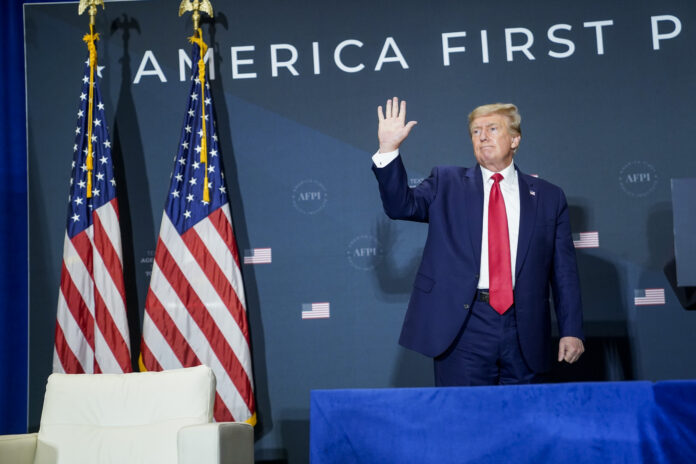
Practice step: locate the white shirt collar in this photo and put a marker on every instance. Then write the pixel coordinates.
(508, 173)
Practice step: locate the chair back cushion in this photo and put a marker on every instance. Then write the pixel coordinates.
(121, 418)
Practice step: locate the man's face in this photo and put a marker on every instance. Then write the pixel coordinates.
(494, 145)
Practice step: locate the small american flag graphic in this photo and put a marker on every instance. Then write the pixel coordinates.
(315, 311)
(649, 296)
(257, 256)
(586, 240)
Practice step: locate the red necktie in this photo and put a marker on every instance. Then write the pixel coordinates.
(499, 272)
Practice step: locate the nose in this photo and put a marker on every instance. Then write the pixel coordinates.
(483, 135)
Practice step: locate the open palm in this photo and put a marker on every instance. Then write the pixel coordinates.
(393, 128)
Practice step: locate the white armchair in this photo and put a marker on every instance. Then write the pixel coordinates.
(145, 417)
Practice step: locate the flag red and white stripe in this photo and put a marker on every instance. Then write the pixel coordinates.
(195, 311)
(92, 329)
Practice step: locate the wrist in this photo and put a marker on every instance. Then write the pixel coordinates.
(387, 148)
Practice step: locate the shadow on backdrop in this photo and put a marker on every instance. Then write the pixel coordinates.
(395, 280)
(135, 205)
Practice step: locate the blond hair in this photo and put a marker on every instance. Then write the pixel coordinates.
(504, 109)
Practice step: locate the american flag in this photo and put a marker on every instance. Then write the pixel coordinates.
(315, 311)
(195, 311)
(586, 240)
(649, 296)
(91, 324)
(257, 256)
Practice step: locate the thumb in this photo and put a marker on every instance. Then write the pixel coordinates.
(409, 126)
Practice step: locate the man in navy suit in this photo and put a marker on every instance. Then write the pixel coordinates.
(498, 241)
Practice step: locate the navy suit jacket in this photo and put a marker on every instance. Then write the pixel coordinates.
(451, 202)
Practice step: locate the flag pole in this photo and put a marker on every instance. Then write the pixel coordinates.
(196, 6)
(90, 39)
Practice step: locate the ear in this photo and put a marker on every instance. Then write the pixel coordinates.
(516, 141)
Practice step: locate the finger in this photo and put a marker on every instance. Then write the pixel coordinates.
(574, 355)
(388, 107)
(561, 353)
(402, 112)
(395, 107)
(380, 115)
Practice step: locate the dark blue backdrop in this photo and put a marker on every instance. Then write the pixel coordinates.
(610, 122)
(13, 225)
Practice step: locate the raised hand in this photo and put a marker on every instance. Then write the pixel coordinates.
(393, 128)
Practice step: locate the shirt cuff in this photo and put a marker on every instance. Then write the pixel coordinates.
(382, 159)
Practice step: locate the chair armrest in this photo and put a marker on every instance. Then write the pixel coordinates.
(216, 443)
(17, 449)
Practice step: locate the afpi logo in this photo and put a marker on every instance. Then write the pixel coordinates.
(309, 196)
(364, 252)
(638, 178)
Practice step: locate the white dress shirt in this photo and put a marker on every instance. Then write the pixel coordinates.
(509, 187)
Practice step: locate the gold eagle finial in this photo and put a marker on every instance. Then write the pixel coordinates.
(92, 4)
(196, 6)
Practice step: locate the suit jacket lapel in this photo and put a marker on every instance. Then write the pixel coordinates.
(528, 210)
(474, 208)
